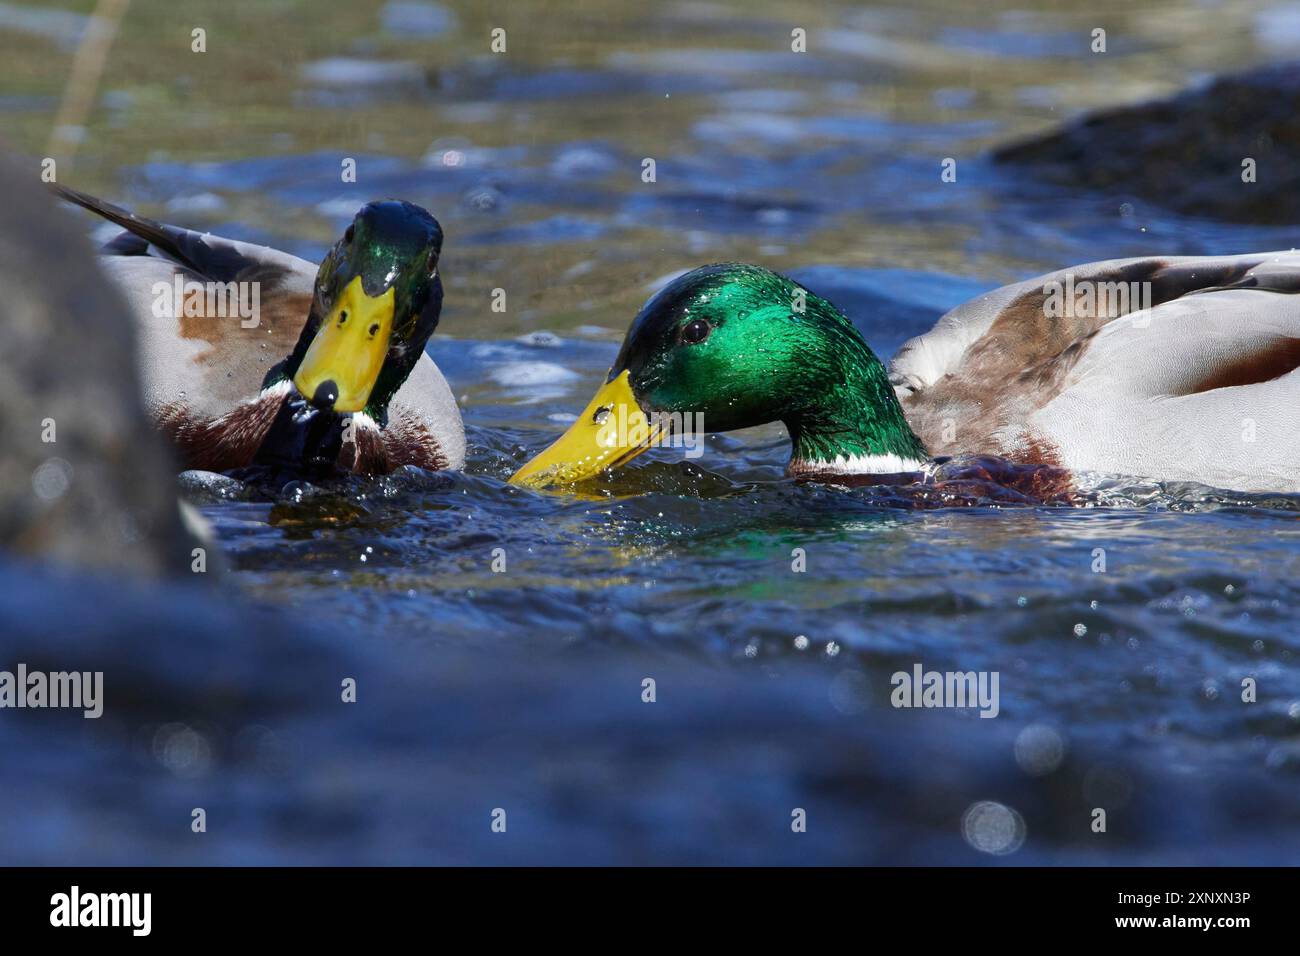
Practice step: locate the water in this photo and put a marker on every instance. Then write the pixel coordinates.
(1125, 628)
(1132, 625)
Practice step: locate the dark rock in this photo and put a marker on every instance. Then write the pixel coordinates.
(101, 494)
(1185, 153)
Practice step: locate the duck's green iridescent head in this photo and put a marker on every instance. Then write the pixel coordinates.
(740, 346)
(376, 302)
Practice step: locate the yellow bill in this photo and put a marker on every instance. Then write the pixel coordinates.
(344, 359)
(611, 431)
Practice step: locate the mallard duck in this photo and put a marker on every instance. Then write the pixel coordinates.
(1175, 369)
(250, 356)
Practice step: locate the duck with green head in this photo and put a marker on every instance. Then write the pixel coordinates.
(738, 346)
(352, 390)
(1131, 388)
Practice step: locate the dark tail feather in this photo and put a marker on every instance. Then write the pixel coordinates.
(155, 233)
(184, 246)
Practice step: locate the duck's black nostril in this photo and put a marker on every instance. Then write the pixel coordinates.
(327, 393)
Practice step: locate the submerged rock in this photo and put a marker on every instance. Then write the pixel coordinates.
(1186, 153)
(83, 478)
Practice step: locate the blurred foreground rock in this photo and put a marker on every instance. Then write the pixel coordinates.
(1185, 153)
(101, 493)
(239, 712)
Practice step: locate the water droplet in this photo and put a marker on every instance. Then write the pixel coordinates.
(52, 479)
(993, 828)
(1039, 750)
(182, 750)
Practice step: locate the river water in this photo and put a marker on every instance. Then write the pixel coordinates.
(1122, 632)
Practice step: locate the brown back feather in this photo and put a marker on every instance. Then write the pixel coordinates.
(1024, 358)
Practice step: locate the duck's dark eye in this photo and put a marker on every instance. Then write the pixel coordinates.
(347, 235)
(696, 331)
